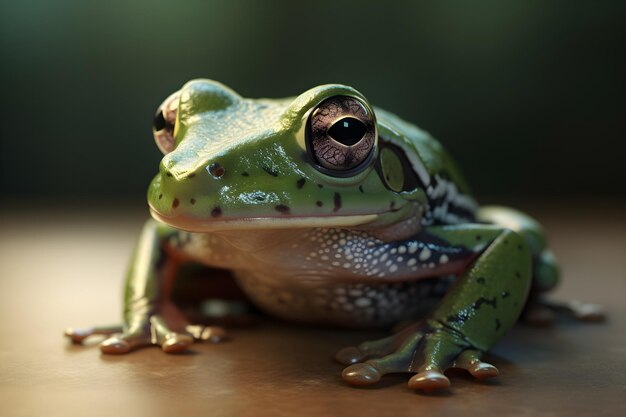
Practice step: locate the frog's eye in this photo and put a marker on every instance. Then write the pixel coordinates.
(341, 133)
(164, 122)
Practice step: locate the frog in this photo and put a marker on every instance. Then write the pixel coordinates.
(328, 210)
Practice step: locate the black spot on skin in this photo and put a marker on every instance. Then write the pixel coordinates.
(320, 186)
(300, 183)
(518, 275)
(319, 203)
(282, 208)
(245, 174)
(169, 174)
(498, 324)
(481, 280)
(216, 212)
(519, 247)
(160, 196)
(505, 294)
(337, 202)
(482, 300)
(515, 304)
(270, 171)
(192, 201)
(191, 175)
(175, 203)
(361, 188)
(478, 237)
(506, 242)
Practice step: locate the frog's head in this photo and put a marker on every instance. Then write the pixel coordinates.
(323, 159)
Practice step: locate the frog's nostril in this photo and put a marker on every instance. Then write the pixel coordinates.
(165, 172)
(216, 170)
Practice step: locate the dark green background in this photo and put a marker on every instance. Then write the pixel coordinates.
(529, 96)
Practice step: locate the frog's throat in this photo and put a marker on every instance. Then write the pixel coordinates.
(255, 223)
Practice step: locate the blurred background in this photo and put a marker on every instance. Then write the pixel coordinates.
(528, 96)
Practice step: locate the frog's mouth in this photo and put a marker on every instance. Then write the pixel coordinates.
(255, 223)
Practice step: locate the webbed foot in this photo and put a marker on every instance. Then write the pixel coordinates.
(427, 349)
(167, 329)
(156, 330)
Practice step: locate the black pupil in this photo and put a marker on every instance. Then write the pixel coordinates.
(347, 131)
(159, 121)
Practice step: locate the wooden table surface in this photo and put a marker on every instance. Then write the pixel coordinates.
(59, 270)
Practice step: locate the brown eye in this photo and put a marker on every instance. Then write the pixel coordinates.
(163, 123)
(341, 134)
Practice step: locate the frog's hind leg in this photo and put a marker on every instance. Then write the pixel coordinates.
(484, 302)
(545, 270)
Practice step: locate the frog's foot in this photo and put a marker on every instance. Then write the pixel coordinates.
(156, 331)
(427, 351)
(122, 342)
(163, 325)
(543, 312)
(376, 348)
(77, 336)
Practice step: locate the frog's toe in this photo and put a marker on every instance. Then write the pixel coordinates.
(115, 345)
(429, 381)
(361, 374)
(586, 311)
(544, 312)
(470, 361)
(171, 336)
(371, 371)
(350, 355)
(121, 343)
(213, 334)
(483, 370)
(79, 335)
(374, 348)
(426, 350)
(176, 342)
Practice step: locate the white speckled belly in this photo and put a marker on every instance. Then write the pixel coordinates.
(333, 276)
(351, 304)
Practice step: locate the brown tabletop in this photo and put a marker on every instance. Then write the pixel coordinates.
(59, 270)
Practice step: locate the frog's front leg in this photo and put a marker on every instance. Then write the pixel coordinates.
(150, 317)
(480, 307)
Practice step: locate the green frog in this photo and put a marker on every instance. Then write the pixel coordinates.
(328, 210)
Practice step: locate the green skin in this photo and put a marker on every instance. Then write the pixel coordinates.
(255, 216)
